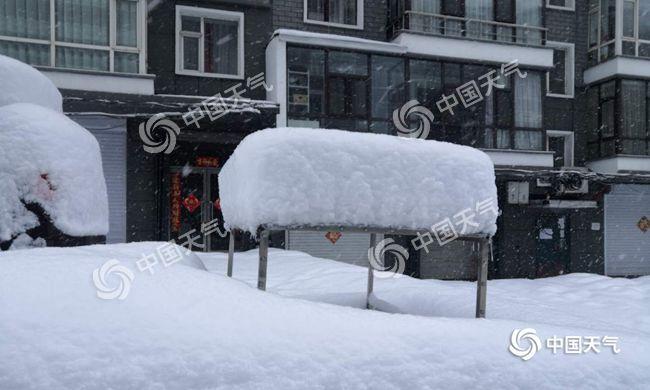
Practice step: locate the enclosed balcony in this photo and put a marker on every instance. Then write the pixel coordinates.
(512, 22)
(487, 31)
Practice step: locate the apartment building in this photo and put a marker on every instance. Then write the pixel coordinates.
(568, 128)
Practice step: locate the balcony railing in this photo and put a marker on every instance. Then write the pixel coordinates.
(483, 30)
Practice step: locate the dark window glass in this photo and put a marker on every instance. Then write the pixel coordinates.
(333, 11)
(557, 76)
(358, 98)
(425, 84)
(387, 85)
(348, 63)
(505, 11)
(305, 81)
(607, 20)
(337, 96)
(628, 19)
(221, 41)
(644, 19)
(454, 7)
(556, 145)
(633, 112)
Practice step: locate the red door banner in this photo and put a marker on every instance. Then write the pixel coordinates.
(175, 197)
(207, 162)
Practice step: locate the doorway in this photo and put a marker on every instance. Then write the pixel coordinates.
(195, 218)
(552, 246)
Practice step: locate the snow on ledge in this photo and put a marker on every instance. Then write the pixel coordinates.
(318, 177)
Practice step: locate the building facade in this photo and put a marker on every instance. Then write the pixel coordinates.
(555, 91)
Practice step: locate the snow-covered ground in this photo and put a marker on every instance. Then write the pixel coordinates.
(185, 328)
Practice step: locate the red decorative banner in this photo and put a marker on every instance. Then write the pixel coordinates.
(333, 236)
(191, 203)
(175, 196)
(207, 162)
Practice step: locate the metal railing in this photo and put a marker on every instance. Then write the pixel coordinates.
(483, 30)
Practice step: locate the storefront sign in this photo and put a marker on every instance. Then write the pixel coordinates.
(207, 162)
(175, 207)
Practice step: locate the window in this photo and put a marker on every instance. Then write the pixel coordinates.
(348, 84)
(306, 81)
(529, 13)
(622, 125)
(209, 42)
(561, 143)
(101, 35)
(568, 5)
(387, 85)
(636, 28)
(340, 13)
(560, 80)
(513, 115)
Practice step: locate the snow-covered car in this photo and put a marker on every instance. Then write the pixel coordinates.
(52, 188)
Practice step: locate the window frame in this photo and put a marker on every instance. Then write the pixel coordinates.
(570, 7)
(569, 144)
(207, 13)
(357, 26)
(569, 71)
(111, 48)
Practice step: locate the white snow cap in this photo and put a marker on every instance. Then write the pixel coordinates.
(318, 177)
(21, 83)
(48, 159)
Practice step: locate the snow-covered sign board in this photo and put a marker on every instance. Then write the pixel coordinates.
(321, 177)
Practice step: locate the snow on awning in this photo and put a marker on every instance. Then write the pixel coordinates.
(291, 177)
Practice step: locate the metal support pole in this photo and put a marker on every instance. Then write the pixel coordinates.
(264, 253)
(481, 278)
(231, 252)
(371, 276)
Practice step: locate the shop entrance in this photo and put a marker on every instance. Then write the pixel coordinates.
(195, 211)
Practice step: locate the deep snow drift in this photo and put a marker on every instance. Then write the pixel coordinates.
(21, 83)
(295, 176)
(185, 328)
(48, 159)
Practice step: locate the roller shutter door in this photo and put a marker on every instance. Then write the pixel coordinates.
(349, 248)
(111, 135)
(627, 246)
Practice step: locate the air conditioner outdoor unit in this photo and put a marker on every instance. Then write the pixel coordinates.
(581, 187)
